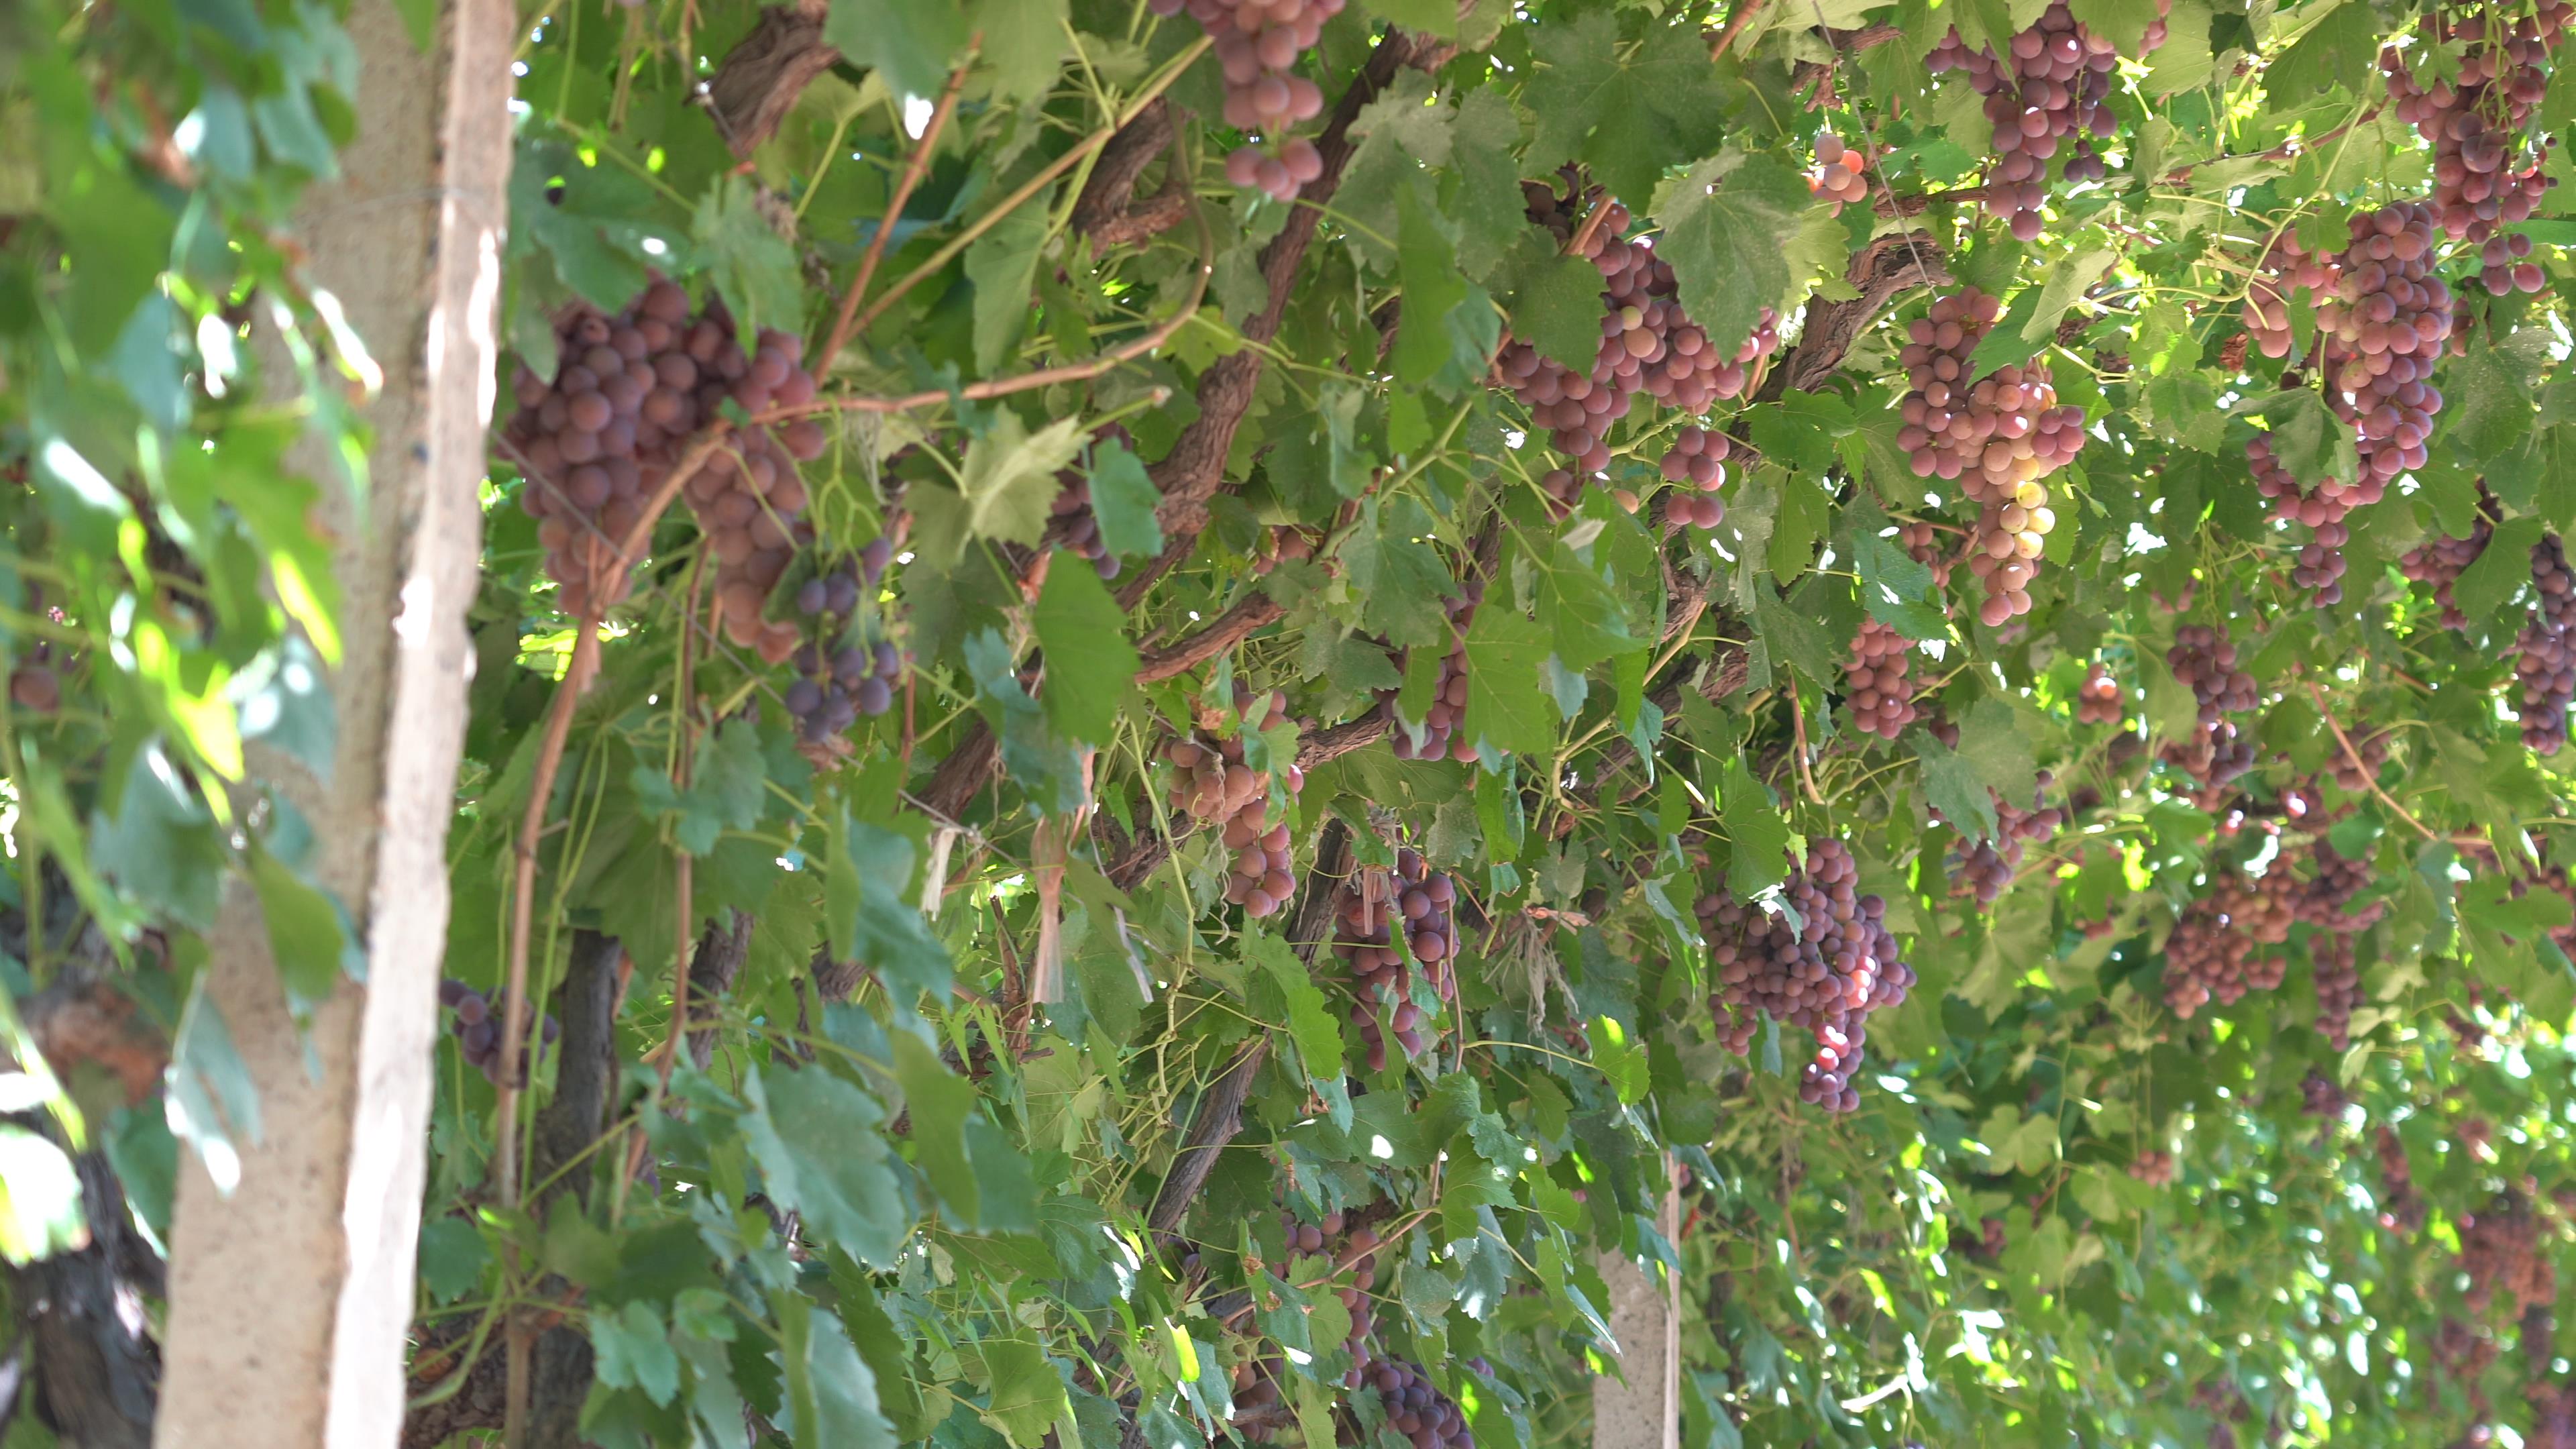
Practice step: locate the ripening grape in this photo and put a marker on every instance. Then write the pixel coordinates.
(1998, 435)
(845, 665)
(2154, 1168)
(1880, 696)
(476, 1023)
(2338, 986)
(1386, 921)
(1073, 524)
(2211, 953)
(2545, 663)
(1825, 979)
(2097, 699)
(2486, 169)
(1415, 1409)
(1697, 458)
(1985, 868)
(2321, 1096)
(2204, 660)
(2500, 1249)
(1923, 545)
(1435, 736)
(1213, 784)
(1841, 175)
(2045, 93)
(1257, 44)
(2440, 561)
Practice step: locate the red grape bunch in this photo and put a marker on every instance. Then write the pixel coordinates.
(1698, 458)
(2322, 1096)
(2204, 660)
(1074, 525)
(2046, 92)
(1825, 976)
(1923, 545)
(2500, 1249)
(1985, 868)
(1998, 435)
(2338, 986)
(2486, 169)
(34, 684)
(1882, 697)
(2325, 902)
(2354, 778)
(1439, 738)
(2401, 1206)
(476, 1023)
(1841, 176)
(2154, 1168)
(2211, 953)
(1339, 1237)
(1369, 908)
(1257, 45)
(2097, 699)
(842, 673)
(2546, 662)
(2266, 311)
(598, 442)
(2440, 561)
(1212, 783)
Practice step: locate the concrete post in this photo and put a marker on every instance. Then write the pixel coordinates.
(290, 1298)
(1645, 1412)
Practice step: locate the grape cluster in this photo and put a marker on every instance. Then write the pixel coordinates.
(1882, 697)
(1648, 344)
(476, 1023)
(2401, 1207)
(1985, 868)
(1922, 543)
(2097, 699)
(1367, 910)
(2325, 901)
(2505, 265)
(2048, 91)
(1347, 1242)
(1841, 175)
(840, 673)
(2321, 1096)
(2545, 663)
(2211, 954)
(2486, 170)
(2338, 986)
(1213, 783)
(1825, 976)
(2352, 777)
(2204, 660)
(1698, 458)
(2440, 561)
(597, 443)
(34, 685)
(1077, 527)
(1998, 435)
(1257, 46)
(2154, 1168)
(2500, 1249)
(1414, 1407)
(1439, 737)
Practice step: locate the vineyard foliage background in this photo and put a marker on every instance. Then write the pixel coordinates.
(2032, 529)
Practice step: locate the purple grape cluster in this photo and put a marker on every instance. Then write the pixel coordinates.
(2501, 1251)
(1212, 783)
(2152, 1167)
(2321, 1096)
(840, 673)
(2204, 659)
(1998, 436)
(1985, 868)
(1824, 971)
(1922, 543)
(2401, 1205)
(2338, 986)
(596, 443)
(1439, 737)
(1881, 697)
(2211, 954)
(2047, 92)
(2440, 561)
(1841, 174)
(1697, 458)
(2097, 699)
(476, 1023)
(1073, 524)
(2545, 664)
(1414, 1407)
(2486, 169)
(1373, 907)
(1257, 44)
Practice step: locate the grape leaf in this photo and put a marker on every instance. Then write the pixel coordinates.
(815, 1137)
(2307, 438)
(1009, 476)
(1952, 788)
(2490, 406)
(633, 1350)
(1090, 664)
(939, 1102)
(1507, 707)
(1024, 42)
(753, 267)
(1556, 304)
(1317, 1033)
(2117, 21)
(1896, 589)
(1032, 752)
(1757, 837)
(1427, 266)
(911, 42)
(831, 1394)
(1626, 112)
(1486, 187)
(2339, 51)
(1003, 265)
(2499, 573)
(1995, 745)
(1123, 499)
(1400, 580)
(1723, 230)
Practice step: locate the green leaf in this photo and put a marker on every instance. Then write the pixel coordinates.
(1995, 744)
(831, 1398)
(1507, 707)
(2306, 437)
(1952, 787)
(1757, 837)
(1003, 266)
(632, 1349)
(1090, 664)
(2067, 280)
(1009, 477)
(1431, 17)
(309, 934)
(1040, 760)
(1427, 266)
(2121, 23)
(2184, 62)
(2490, 406)
(2339, 51)
(753, 267)
(40, 1198)
(815, 1137)
(939, 1101)
(2484, 587)
(1896, 589)
(1123, 499)
(161, 846)
(1556, 305)
(1400, 580)
(1310, 1023)
(1795, 639)
(1627, 112)
(1722, 236)
(1027, 1393)
(1024, 43)
(868, 920)
(912, 42)
(1485, 165)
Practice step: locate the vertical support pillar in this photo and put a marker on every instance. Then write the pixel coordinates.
(1645, 1410)
(291, 1296)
